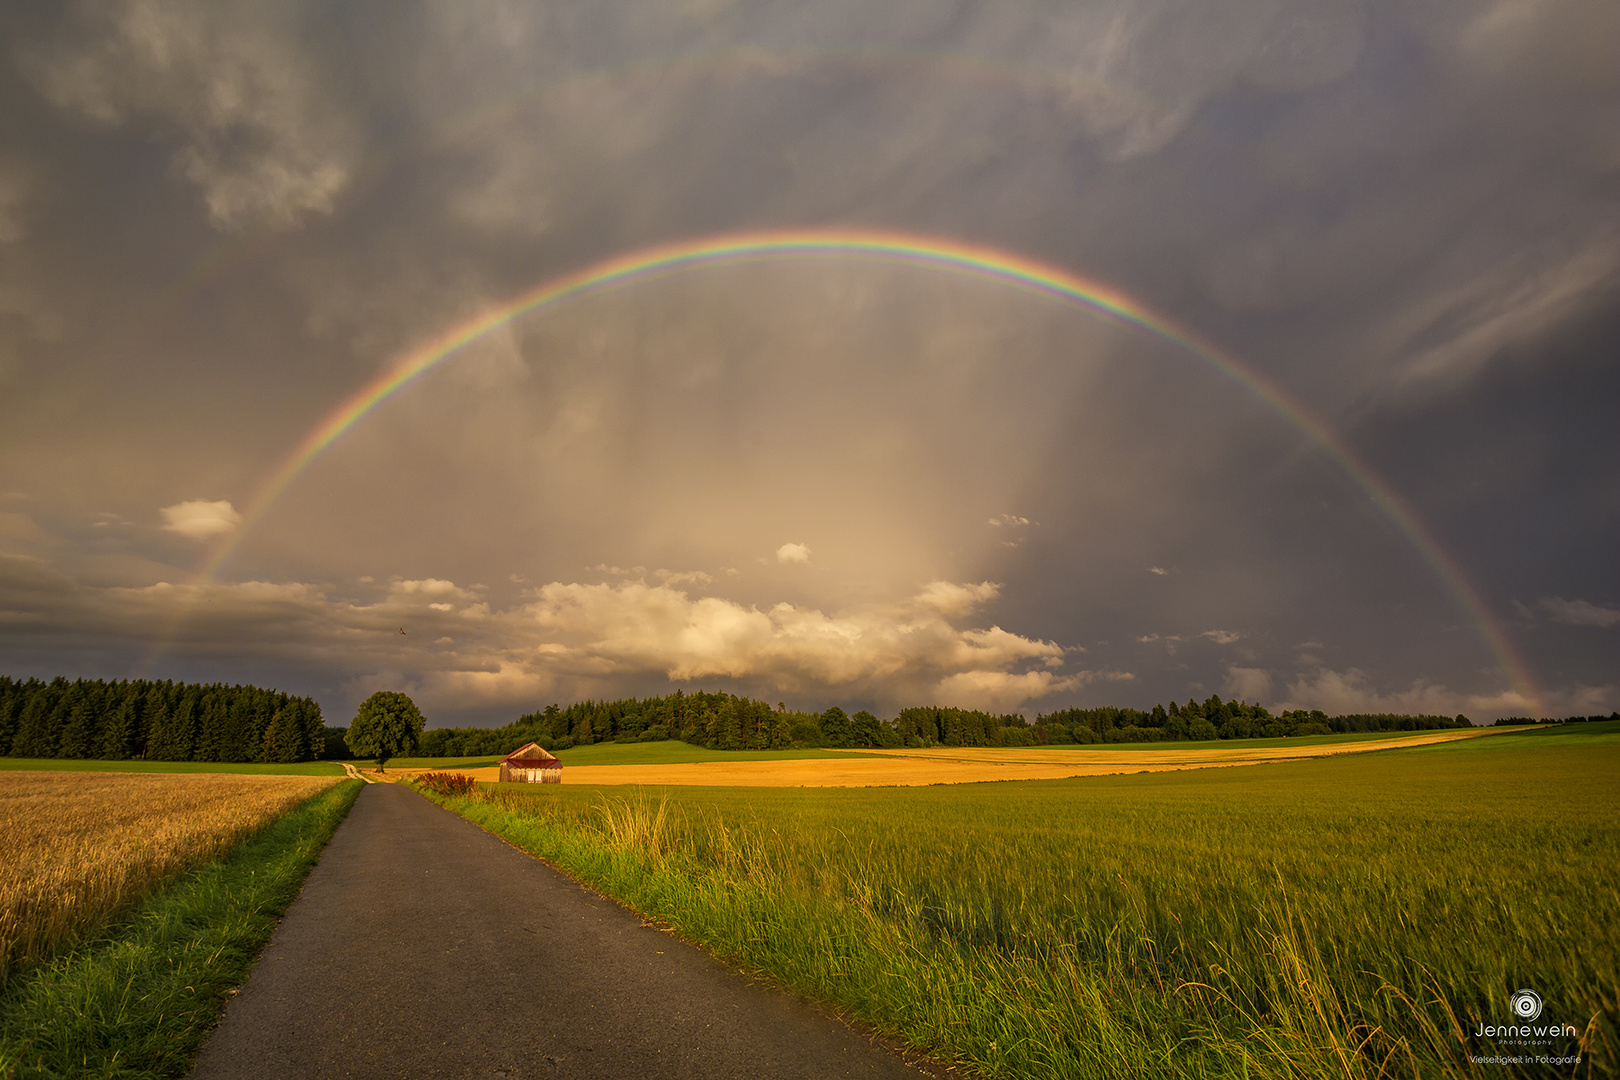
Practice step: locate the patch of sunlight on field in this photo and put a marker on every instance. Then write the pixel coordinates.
(955, 765)
(78, 848)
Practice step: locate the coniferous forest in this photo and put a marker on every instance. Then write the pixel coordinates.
(169, 721)
(157, 721)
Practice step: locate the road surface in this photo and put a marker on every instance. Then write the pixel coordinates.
(422, 946)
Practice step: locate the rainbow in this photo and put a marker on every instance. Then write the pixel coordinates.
(930, 252)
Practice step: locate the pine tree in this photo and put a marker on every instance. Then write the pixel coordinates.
(120, 727)
(212, 715)
(309, 714)
(36, 729)
(282, 737)
(728, 727)
(79, 732)
(11, 708)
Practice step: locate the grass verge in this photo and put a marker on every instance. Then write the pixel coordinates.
(140, 1002)
(1351, 917)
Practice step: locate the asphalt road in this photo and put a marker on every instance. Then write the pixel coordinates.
(422, 946)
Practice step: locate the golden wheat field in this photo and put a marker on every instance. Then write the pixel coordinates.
(959, 764)
(76, 848)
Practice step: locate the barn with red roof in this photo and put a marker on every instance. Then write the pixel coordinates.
(531, 764)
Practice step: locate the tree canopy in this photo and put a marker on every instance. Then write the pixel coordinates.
(387, 725)
(157, 721)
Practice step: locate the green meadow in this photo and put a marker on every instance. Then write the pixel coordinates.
(1356, 916)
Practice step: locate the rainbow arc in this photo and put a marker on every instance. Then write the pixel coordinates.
(937, 253)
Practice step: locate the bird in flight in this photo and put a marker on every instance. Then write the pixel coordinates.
(402, 630)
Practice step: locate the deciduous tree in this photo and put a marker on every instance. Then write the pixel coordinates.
(387, 725)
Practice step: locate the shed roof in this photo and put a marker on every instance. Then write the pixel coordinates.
(531, 756)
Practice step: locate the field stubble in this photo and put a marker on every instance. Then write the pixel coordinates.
(79, 848)
(1351, 917)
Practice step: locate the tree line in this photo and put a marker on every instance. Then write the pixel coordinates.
(169, 721)
(729, 722)
(720, 721)
(157, 721)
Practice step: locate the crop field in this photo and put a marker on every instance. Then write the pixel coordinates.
(78, 848)
(663, 752)
(630, 764)
(297, 768)
(1347, 916)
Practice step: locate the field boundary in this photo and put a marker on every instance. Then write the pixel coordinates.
(887, 767)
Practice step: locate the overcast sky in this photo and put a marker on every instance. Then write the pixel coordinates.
(819, 480)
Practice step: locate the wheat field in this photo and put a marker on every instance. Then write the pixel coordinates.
(1358, 917)
(78, 848)
(962, 764)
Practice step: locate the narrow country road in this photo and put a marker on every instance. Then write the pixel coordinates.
(423, 946)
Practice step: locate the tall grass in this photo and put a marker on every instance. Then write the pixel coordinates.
(138, 1002)
(78, 849)
(1347, 917)
(256, 768)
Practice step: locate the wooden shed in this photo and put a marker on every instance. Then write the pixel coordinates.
(531, 764)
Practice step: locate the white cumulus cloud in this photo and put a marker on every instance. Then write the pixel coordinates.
(1221, 637)
(201, 519)
(793, 553)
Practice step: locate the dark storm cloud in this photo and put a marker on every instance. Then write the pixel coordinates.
(218, 219)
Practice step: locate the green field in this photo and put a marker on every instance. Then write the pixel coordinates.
(301, 768)
(674, 752)
(1598, 737)
(664, 752)
(1350, 916)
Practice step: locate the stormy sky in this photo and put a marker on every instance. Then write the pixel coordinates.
(826, 479)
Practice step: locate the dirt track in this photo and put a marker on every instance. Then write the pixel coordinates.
(962, 765)
(422, 946)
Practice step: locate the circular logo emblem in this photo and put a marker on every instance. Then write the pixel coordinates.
(1526, 1004)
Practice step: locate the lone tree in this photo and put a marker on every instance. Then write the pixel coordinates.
(387, 725)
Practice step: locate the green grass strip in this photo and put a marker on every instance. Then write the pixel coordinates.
(141, 1002)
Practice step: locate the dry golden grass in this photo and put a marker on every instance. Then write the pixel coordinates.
(1170, 755)
(961, 765)
(77, 848)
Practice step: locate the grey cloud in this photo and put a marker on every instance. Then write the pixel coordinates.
(1579, 612)
(1403, 217)
(1452, 332)
(264, 136)
(1248, 684)
(1352, 691)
